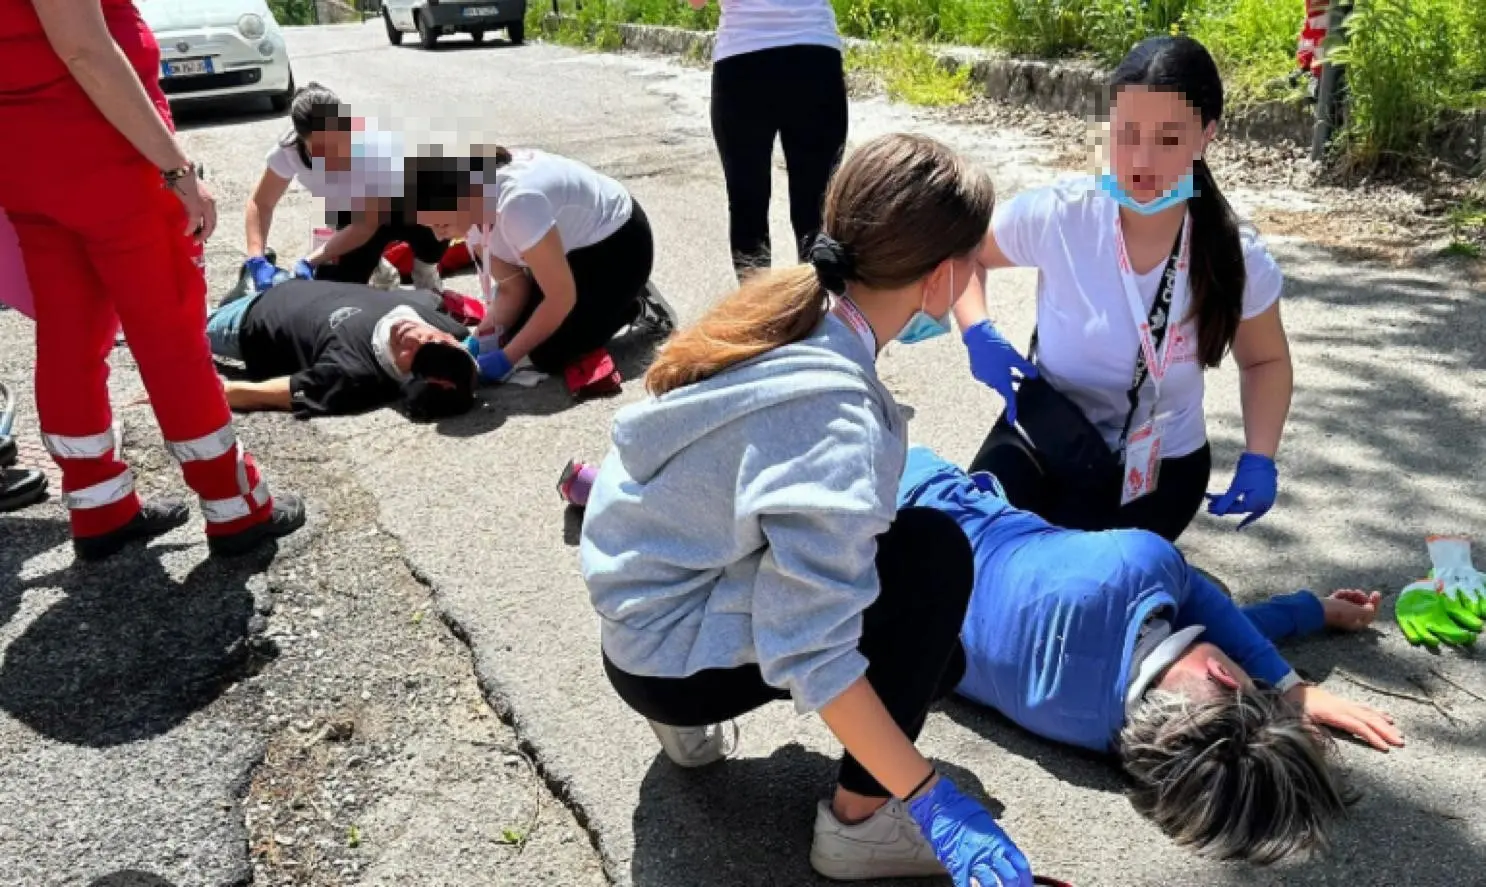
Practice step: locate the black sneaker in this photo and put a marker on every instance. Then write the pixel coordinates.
(655, 312)
(20, 488)
(155, 518)
(9, 452)
(288, 516)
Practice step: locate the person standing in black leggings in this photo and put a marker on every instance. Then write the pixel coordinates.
(742, 542)
(776, 71)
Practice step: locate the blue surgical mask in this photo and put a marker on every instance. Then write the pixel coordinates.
(1184, 190)
(922, 326)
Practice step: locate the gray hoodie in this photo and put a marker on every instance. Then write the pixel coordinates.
(736, 520)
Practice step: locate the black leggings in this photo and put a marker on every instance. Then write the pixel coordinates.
(1166, 511)
(910, 638)
(799, 94)
(610, 277)
(357, 265)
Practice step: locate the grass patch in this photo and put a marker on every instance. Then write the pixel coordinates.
(911, 72)
(1464, 249)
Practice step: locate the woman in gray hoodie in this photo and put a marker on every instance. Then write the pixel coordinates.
(742, 542)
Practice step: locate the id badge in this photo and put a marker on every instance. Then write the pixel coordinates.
(319, 236)
(1142, 464)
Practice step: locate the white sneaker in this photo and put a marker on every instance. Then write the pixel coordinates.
(426, 277)
(385, 277)
(695, 746)
(888, 844)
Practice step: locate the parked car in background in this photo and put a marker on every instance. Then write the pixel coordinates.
(212, 49)
(431, 19)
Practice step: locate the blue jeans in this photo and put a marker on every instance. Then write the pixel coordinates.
(224, 326)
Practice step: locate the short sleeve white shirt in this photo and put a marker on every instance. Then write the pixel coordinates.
(537, 192)
(754, 25)
(375, 171)
(1087, 341)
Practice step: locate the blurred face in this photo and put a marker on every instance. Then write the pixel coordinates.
(450, 224)
(1155, 136)
(410, 335)
(331, 146)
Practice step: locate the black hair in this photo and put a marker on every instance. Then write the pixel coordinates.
(442, 383)
(314, 109)
(437, 183)
(1184, 66)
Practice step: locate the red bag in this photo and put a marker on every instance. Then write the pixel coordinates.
(462, 308)
(593, 375)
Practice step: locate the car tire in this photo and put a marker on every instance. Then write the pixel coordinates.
(477, 36)
(394, 36)
(282, 101)
(516, 32)
(428, 36)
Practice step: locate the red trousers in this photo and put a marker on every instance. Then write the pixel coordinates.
(104, 244)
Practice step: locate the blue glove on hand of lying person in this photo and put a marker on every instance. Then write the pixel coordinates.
(967, 841)
(1255, 485)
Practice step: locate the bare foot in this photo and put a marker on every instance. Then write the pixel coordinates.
(1351, 610)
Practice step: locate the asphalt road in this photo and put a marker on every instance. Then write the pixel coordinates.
(1384, 446)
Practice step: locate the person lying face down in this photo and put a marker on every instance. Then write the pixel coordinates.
(1111, 642)
(324, 348)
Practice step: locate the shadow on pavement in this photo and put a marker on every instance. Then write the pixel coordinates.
(129, 651)
(204, 113)
(745, 823)
(632, 353)
(1063, 763)
(131, 878)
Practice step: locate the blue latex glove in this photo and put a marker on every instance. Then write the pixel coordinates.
(262, 272)
(303, 270)
(1255, 485)
(472, 345)
(992, 360)
(967, 840)
(494, 366)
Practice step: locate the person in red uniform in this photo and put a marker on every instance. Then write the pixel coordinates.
(111, 218)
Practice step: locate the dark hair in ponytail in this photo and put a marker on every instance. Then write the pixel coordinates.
(313, 109)
(1184, 66)
(437, 183)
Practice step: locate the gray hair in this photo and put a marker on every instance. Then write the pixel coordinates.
(1241, 775)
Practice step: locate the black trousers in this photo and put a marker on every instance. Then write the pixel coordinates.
(797, 93)
(610, 276)
(910, 638)
(357, 265)
(1166, 511)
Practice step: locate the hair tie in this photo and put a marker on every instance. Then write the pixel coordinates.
(831, 261)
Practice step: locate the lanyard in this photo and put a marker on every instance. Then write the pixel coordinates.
(1153, 360)
(482, 268)
(849, 312)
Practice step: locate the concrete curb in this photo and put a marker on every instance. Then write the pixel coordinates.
(1075, 87)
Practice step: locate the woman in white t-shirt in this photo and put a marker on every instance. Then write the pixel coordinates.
(1105, 247)
(563, 252)
(776, 72)
(357, 172)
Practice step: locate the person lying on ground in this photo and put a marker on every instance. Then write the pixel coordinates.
(356, 170)
(742, 544)
(1110, 641)
(563, 253)
(324, 348)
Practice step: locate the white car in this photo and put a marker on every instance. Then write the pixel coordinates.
(212, 49)
(432, 18)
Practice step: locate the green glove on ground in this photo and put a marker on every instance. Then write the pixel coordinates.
(1450, 557)
(1428, 616)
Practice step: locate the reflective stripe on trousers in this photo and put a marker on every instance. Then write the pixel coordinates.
(100, 494)
(206, 448)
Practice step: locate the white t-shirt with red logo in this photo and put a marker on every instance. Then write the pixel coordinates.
(1087, 339)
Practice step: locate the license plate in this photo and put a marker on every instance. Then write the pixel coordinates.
(476, 11)
(187, 67)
